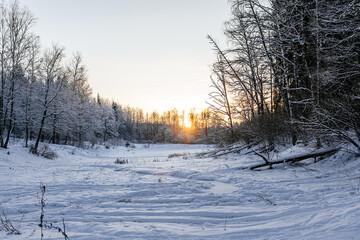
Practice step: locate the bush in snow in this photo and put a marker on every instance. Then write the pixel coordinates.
(44, 151)
(130, 145)
(173, 155)
(121, 161)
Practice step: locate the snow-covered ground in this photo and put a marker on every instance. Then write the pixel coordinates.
(181, 197)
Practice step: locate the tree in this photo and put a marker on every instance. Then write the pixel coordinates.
(105, 120)
(16, 42)
(220, 104)
(337, 70)
(53, 78)
(205, 120)
(80, 95)
(28, 91)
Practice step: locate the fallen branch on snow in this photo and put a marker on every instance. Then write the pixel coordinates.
(296, 158)
(227, 150)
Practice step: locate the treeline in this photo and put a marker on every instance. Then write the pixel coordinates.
(46, 97)
(290, 73)
(170, 126)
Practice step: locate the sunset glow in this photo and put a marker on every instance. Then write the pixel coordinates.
(187, 123)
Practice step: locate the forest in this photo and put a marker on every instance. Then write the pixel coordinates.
(289, 74)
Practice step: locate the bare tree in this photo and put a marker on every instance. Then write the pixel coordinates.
(17, 40)
(220, 98)
(53, 77)
(28, 91)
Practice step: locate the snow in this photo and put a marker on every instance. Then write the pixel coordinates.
(155, 196)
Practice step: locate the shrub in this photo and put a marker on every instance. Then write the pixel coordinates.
(130, 145)
(44, 151)
(121, 161)
(47, 152)
(184, 155)
(172, 155)
(268, 128)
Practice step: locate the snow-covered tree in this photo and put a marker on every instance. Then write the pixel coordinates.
(17, 41)
(53, 77)
(79, 101)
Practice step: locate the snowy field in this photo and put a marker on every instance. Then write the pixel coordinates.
(156, 195)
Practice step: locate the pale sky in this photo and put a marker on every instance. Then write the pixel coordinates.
(151, 54)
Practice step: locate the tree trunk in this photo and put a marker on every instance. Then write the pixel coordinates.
(11, 121)
(40, 131)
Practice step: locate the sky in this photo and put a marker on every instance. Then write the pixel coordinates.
(151, 54)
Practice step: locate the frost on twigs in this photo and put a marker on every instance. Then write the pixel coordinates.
(44, 224)
(6, 224)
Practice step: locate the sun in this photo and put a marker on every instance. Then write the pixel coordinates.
(187, 123)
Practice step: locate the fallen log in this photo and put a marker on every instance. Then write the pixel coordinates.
(297, 158)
